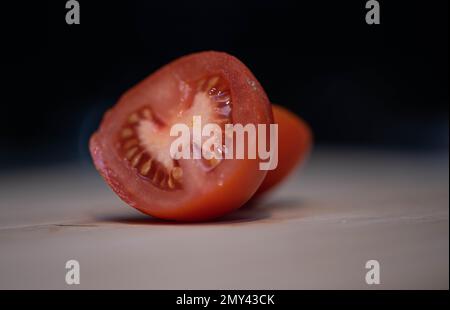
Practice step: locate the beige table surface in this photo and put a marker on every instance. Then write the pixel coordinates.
(315, 232)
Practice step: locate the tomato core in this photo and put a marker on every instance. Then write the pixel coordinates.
(144, 140)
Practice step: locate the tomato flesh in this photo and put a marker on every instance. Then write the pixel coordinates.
(131, 147)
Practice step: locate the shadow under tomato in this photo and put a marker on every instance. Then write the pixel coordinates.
(237, 217)
(253, 211)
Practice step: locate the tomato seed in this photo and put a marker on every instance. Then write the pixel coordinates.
(126, 133)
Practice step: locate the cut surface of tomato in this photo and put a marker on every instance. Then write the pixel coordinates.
(131, 148)
(294, 145)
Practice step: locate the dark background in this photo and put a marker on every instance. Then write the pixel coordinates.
(372, 86)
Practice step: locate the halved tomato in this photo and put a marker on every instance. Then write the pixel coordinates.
(294, 145)
(131, 147)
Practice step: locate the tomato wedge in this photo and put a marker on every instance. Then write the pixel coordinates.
(294, 145)
(131, 147)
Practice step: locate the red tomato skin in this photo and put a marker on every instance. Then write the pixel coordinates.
(295, 141)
